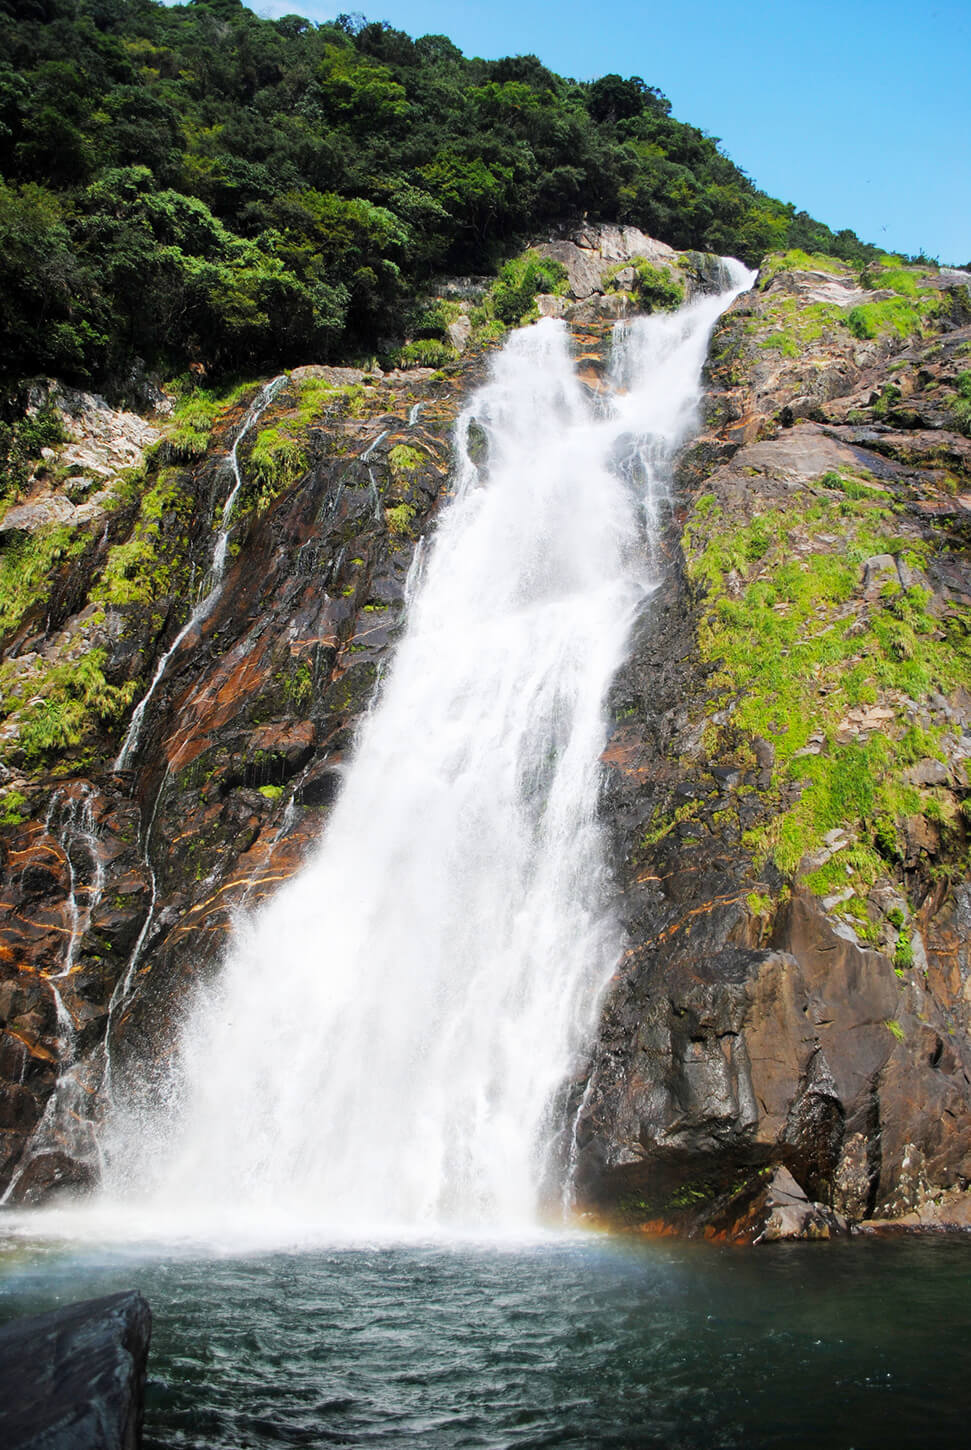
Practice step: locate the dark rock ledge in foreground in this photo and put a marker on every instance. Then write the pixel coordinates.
(74, 1378)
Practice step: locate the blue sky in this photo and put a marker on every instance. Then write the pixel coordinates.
(859, 112)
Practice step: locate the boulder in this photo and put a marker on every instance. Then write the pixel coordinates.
(588, 253)
(549, 305)
(880, 576)
(946, 1213)
(40, 512)
(459, 332)
(584, 269)
(74, 1378)
(790, 1214)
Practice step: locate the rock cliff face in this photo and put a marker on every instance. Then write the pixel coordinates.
(791, 1015)
(787, 782)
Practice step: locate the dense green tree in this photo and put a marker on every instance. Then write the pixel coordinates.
(194, 182)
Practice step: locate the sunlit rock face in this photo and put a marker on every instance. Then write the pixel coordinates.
(787, 779)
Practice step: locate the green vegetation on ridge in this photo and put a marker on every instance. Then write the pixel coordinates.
(193, 184)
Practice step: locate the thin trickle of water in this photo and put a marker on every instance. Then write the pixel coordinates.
(214, 576)
(369, 450)
(70, 820)
(372, 482)
(375, 497)
(415, 571)
(65, 1124)
(388, 1036)
(123, 987)
(258, 408)
(288, 820)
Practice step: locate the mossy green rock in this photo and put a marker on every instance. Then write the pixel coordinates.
(787, 783)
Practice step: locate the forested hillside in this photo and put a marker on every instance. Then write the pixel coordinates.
(197, 185)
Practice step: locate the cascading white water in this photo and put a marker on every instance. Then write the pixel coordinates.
(387, 1037)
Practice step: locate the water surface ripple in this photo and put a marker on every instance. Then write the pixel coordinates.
(569, 1342)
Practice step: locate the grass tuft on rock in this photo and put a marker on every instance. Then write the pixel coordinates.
(29, 565)
(830, 676)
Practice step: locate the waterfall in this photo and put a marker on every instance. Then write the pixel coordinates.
(386, 1039)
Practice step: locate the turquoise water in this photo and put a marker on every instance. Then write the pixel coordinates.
(573, 1341)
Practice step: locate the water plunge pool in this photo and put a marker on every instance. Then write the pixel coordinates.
(570, 1340)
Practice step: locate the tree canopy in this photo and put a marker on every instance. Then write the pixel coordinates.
(196, 184)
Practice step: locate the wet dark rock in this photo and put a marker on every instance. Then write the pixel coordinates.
(788, 1214)
(74, 1378)
(52, 1175)
(751, 1038)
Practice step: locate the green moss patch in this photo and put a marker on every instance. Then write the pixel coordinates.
(655, 289)
(399, 520)
(65, 704)
(875, 319)
(188, 432)
(801, 659)
(914, 310)
(13, 808)
(511, 300)
(961, 406)
(795, 324)
(140, 569)
(520, 281)
(29, 565)
(275, 462)
(425, 352)
(21, 444)
(799, 261)
(318, 399)
(405, 461)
